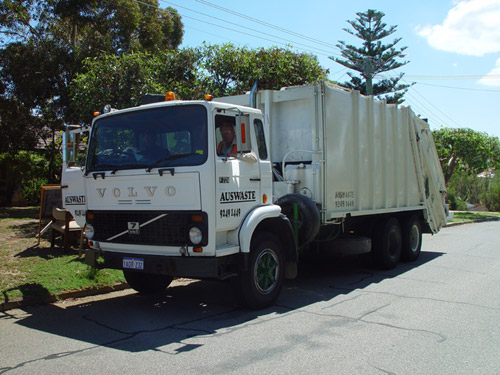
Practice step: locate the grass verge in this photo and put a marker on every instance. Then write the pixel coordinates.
(461, 216)
(29, 271)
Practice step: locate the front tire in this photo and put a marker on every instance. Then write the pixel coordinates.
(261, 282)
(146, 283)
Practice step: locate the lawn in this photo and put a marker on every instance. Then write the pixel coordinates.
(460, 216)
(29, 271)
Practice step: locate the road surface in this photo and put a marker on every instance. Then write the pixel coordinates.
(440, 315)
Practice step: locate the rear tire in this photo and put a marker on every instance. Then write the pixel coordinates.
(386, 244)
(412, 239)
(146, 283)
(260, 283)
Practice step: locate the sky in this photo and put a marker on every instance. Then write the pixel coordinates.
(453, 47)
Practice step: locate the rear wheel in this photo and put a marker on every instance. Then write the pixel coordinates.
(261, 282)
(412, 239)
(386, 244)
(146, 283)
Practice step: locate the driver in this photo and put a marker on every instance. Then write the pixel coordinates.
(149, 147)
(227, 147)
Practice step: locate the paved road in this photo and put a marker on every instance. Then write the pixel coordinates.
(438, 316)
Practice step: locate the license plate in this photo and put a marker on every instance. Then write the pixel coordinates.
(133, 263)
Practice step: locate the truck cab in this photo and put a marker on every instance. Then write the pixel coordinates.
(159, 199)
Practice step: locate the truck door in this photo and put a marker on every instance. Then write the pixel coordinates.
(72, 179)
(434, 186)
(237, 171)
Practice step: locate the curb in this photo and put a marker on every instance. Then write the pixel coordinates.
(471, 222)
(39, 300)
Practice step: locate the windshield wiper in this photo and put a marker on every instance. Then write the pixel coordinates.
(107, 167)
(127, 166)
(114, 168)
(168, 158)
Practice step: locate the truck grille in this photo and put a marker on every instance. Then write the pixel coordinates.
(168, 230)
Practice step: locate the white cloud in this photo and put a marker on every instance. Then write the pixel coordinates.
(493, 77)
(471, 28)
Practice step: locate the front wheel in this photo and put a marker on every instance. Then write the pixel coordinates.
(146, 283)
(261, 282)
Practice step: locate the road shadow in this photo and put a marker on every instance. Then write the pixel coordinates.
(33, 293)
(135, 323)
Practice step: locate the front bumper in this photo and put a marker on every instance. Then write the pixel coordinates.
(175, 266)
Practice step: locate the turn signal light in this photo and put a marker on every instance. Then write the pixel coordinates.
(243, 134)
(197, 249)
(197, 218)
(264, 198)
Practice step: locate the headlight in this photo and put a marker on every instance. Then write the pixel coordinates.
(195, 235)
(89, 231)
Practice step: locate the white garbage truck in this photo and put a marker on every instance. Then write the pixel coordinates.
(307, 165)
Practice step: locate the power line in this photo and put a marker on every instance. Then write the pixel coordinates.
(452, 77)
(248, 28)
(457, 88)
(432, 104)
(216, 35)
(245, 33)
(427, 110)
(267, 24)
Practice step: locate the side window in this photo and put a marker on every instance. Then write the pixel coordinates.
(261, 140)
(225, 135)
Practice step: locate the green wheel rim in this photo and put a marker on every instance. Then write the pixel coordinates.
(266, 271)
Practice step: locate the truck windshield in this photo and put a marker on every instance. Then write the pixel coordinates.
(149, 138)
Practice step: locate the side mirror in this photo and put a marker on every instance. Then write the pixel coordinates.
(71, 139)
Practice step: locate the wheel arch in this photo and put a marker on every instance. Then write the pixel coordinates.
(270, 219)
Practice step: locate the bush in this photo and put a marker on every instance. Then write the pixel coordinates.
(468, 188)
(455, 203)
(491, 198)
(32, 191)
(26, 172)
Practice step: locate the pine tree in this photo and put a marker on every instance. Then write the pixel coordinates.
(373, 58)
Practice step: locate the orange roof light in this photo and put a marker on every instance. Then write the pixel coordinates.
(96, 114)
(169, 96)
(208, 97)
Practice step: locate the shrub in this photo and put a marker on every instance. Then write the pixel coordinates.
(455, 203)
(32, 191)
(468, 188)
(491, 198)
(26, 171)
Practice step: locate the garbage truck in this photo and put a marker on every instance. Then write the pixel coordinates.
(306, 165)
